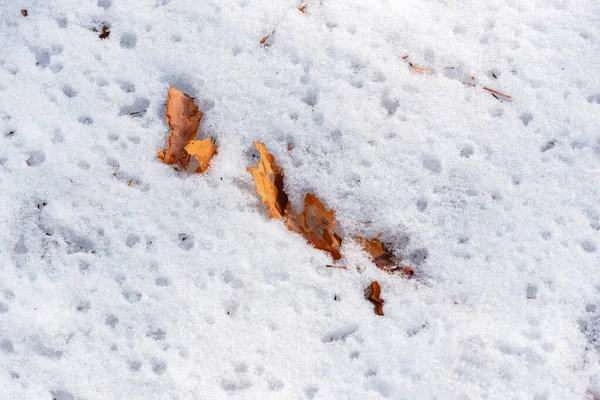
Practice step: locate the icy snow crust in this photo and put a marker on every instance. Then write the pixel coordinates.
(180, 287)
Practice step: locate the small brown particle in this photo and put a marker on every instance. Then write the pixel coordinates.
(24, 12)
(105, 32)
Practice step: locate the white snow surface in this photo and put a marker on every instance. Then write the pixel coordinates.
(179, 286)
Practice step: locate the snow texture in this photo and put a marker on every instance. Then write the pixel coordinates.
(180, 287)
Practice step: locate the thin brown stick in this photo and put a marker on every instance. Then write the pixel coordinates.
(496, 92)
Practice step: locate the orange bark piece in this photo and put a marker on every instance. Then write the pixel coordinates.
(183, 116)
(316, 225)
(373, 294)
(269, 182)
(203, 151)
(382, 258)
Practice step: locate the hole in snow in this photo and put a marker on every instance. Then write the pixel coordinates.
(132, 240)
(69, 91)
(6, 346)
(466, 151)
(137, 109)
(186, 241)
(526, 118)
(128, 40)
(104, 4)
(532, 291)
(588, 246)
(433, 164)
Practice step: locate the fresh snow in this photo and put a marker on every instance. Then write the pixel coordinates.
(180, 287)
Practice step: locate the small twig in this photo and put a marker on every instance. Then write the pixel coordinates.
(492, 91)
(496, 92)
(418, 69)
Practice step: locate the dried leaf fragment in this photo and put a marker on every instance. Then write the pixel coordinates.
(373, 293)
(264, 41)
(317, 225)
(203, 151)
(269, 182)
(302, 7)
(382, 258)
(24, 12)
(183, 116)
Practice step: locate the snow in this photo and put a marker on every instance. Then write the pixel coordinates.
(180, 287)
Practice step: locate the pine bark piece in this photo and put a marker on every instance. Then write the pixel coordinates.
(382, 258)
(317, 225)
(269, 182)
(203, 151)
(373, 294)
(183, 116)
